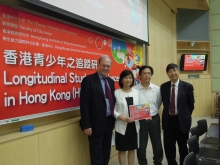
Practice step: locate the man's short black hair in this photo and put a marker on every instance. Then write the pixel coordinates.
(171, 66)
(146, 67)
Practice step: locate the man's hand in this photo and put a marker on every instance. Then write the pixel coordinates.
(88, 131)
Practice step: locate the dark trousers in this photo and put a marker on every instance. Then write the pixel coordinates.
(151, 127)
(173, 134)
(100, 145)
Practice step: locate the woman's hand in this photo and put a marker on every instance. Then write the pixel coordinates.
(130, 120)
(125, 119)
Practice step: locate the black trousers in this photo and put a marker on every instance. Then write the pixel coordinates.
(151, 128)
(173, 134)
(100, 145)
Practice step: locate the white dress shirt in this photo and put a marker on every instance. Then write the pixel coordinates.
(151, 95)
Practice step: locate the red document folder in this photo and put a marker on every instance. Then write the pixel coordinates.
(140, 111)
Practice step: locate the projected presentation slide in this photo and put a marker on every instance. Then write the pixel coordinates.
(127, 16)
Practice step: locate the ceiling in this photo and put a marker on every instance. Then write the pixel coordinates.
(193, 4)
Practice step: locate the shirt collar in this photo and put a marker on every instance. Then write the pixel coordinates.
(140, 86)
(100, 76)
(176, 84)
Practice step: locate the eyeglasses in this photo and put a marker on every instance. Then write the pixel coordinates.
(105, 66)
(171, 71)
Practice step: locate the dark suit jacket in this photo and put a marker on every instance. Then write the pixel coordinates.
(185, 104)
(93, 104)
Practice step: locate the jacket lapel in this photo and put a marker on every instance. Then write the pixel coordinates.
(180, 89)
(168, 89)
(98, 83)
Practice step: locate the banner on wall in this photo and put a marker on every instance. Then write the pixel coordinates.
(44, 61)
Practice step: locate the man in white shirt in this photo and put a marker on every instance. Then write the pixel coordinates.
(149, 93)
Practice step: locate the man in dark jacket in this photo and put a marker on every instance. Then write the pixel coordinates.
(178, 105)
(96, 107)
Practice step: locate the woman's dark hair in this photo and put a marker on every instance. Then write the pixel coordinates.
(146, 67)
(171, 66)
(123, 74)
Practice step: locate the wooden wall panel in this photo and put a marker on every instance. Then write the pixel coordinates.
(193, 4)
(23, 151)
(64, 145)
(162, 39)
(203, 97)
(60, 143)
(172, 4)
